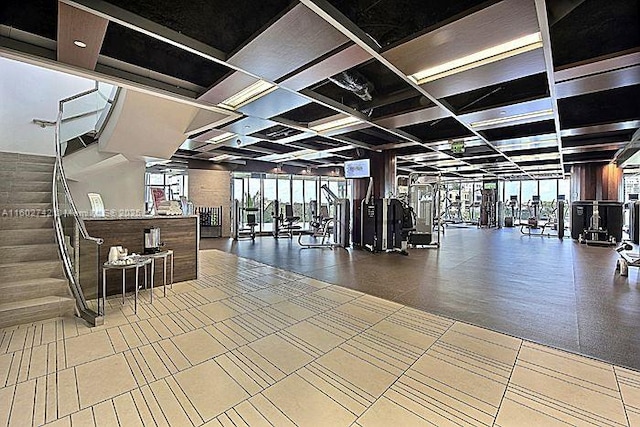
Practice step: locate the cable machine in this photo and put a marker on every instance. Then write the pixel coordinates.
(489, 205)
(425, 208)
(337, 226)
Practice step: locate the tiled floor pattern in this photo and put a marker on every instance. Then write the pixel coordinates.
(252, 345)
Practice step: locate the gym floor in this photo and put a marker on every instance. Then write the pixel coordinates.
(554, 292)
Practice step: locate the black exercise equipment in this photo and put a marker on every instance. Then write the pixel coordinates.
(488, 213)
(633, 208)
(597, 222)
(382, 224)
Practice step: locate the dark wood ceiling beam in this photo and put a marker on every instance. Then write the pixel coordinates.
(80, 36)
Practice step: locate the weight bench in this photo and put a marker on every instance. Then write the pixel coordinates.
(627, 259)
(289, 222)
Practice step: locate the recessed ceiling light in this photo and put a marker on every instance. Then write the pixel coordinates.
(539, 115)
(248, 94)
(335, 124)
(80, 43)
(221, 137)
(486, 56)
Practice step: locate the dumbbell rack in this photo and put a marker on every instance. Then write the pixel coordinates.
(210, 221)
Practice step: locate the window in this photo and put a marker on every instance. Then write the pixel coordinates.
(311, 196)
(548, 197)
(528, 190)
(270, 185)
(174, 184)
(297, 186)
(263, 190)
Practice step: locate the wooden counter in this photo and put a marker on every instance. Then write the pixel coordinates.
(178, 233)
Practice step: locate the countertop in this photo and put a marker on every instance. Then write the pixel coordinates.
(147, 217)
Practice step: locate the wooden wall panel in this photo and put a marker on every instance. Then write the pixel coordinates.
(178, 233)
(596, 182)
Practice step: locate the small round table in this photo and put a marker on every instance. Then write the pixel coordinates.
(164, 255)
(138, 262)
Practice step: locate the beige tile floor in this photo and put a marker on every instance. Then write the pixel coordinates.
(252, 345)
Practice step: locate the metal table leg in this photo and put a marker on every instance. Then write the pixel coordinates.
(123, 284)
(135, 298)
(152, 266)
(164, 274)
(104, 291)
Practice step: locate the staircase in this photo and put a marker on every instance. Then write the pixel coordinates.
(32, 283)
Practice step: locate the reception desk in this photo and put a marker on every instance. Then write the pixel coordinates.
(178, 233)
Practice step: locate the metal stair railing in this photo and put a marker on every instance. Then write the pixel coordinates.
(68, 223)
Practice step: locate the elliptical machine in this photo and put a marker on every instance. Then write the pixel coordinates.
(509, 221)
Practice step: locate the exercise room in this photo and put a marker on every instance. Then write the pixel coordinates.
(320, 213)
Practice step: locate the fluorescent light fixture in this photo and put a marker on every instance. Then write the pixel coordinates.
(80, 43)
(223, 157)
(542, 114)
(221, 137)
(535, 157)
(483, 57)
(335, 124)
(248, 94)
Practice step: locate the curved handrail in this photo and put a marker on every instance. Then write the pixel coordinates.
(81, 303)
(76, 214)
(59, 175)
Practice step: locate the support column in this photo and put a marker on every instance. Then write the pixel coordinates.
(596, 182)
(383, 171)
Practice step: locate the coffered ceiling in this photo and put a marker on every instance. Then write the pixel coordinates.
(527, 87)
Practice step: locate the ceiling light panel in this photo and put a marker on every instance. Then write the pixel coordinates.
(536, 157)
(335, 124)
(466, 36)
(247, 95)
(511, 115)
(515, 119)
(220, 138)
(483, 57)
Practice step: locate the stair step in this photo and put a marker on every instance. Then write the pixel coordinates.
(31, 186)
(26, 158)
(20, 175)
(29, 197)
(30, 270)
(34, 288)
(32, 310)
(23, 209)
(21, 223)
(27, 167)
(24, 253)
(27, 236)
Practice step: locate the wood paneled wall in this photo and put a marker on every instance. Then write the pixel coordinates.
(596, 182)
(178, 233)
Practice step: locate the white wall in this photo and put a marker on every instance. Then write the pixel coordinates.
(28, 92)
(212, 188)
(121, 188)
(146, 126)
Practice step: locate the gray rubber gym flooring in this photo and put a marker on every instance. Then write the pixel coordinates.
(555, 292)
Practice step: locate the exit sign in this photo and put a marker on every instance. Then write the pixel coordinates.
(457, 147)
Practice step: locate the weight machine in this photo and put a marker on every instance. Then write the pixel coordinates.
(384, 224)
(554, 226)
(488, 214)
(424, 207)
(597, 223)
(244, 222)
(325, 226)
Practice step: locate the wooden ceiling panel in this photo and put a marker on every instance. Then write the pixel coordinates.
(77, 25)
(494, 25)
(296, 39)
